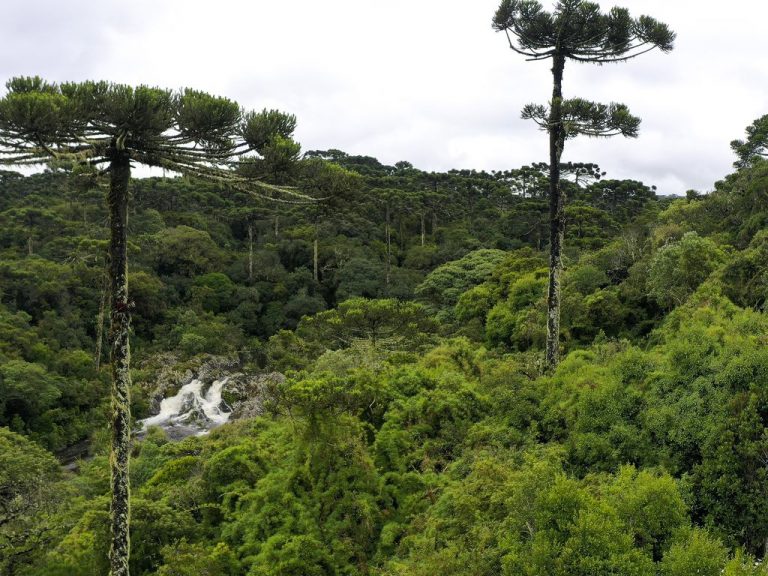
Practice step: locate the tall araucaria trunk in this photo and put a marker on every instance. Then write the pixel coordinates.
(120, 360)
(250, 251)
(315, 269)
(389, 252)
(556, 213)
(100, 321)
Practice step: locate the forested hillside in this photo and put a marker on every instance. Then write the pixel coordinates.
(213, 271)
(417, 430)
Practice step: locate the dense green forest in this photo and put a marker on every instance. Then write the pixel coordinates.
(417, 429)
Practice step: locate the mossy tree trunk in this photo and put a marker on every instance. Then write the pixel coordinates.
(120, 360)
(114, 124)
(250, 251)
(389, 251)
(100, 321)
(578, 30)
(315, 266)
(556, 214)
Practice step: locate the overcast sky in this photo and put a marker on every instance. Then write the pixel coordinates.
(426, 81)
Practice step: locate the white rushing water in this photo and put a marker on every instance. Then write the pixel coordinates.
(190, 411)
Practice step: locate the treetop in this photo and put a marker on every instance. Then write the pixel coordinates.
(580, 31)
(187, 131)
(756, 144)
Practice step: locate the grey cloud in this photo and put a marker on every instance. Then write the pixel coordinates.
(425, 81)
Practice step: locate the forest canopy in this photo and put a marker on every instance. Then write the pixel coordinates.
(379, 340)
(409, 409)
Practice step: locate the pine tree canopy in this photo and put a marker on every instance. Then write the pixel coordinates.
(580, 31)
(756, 144)
(186, 131)
(582, 117)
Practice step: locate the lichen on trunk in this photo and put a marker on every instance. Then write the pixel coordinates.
(100, 321)
(120, 361)
(556, 214)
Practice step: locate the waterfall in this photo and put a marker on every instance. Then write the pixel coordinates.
(190, 411)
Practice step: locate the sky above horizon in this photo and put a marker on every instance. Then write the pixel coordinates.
(427, 81)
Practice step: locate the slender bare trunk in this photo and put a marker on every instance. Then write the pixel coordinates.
(250, 252)
(389, 252)
(277, 227)
(423, 229)
(29, 245)
(556, 214)
(120, 359)
(538, 238)
(470, 211)
(314, 260)
(100, 322)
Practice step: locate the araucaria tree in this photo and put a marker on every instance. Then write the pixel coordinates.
(756, 144)
(578, 31)
(106, 127)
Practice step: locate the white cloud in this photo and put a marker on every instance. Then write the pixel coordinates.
(426, 81)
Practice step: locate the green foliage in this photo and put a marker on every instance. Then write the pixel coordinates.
(262, 128)
(387, 322)
(745, 279)
(474, 303)
(188, 131)
(150, 295)
(443, 286)
(360, 277)
(214, 291)
(29, 477)
(83, 550)
(513, 515)
(578, 31)
(754, 147)
(189, 237)
(294, 556)
(582, 117)
(743, 565)
(193, 333)
(587, 226)
(407, 437)
(287, 351)
(185, 559)
(185, 251)
(518, 321)
(26, 389)
(586, 34)
(679, 268)
(463, 460)
(55, 406)
(697, 553)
